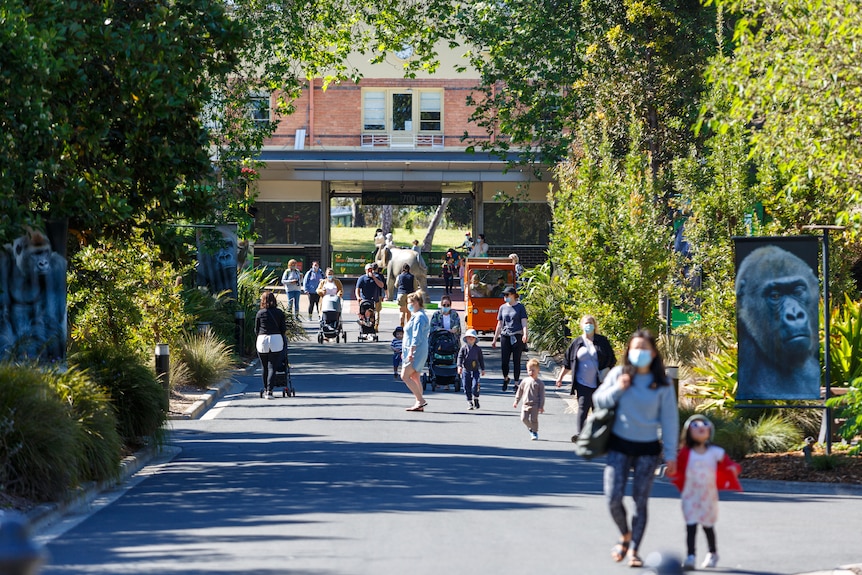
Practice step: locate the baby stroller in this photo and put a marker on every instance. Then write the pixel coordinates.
(442, 360)
(281, 379)
(366, 321)
(330, 320)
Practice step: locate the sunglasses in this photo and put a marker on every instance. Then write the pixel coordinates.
(698, 423)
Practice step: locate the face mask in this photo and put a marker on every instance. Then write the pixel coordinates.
(589, 328)
(411, 308)
(329, 277)
(445, 308)
(640, 357)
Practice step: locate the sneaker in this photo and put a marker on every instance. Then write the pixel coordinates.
(470, 405)
(534, 436)
(505, 383)
(514, 388)
(269, 395)
(688, 564)
(476, 403)
(711, 560)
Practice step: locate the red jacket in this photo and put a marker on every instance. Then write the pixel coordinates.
(726, 475)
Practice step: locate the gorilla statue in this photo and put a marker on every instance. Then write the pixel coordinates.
(777, 306)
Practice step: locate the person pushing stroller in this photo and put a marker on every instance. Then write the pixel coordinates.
(471, 362)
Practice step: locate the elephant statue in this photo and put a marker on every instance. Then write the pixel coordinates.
(393, 259)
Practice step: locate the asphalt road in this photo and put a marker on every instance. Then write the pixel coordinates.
(342, 480)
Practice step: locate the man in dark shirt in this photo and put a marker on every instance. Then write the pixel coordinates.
(366, 288)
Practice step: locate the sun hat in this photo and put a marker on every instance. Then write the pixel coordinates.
(692, 419)
(469, 333)
(398, 330)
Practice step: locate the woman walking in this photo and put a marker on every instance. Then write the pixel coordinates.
(588, 359)
(446, 318)
(645, 405)
(512, 331)
(270, 328)
(414, 349)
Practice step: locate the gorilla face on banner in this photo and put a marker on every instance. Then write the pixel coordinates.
(217, 259)
(777, 305)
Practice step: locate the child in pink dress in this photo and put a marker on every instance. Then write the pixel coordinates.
(702, 470)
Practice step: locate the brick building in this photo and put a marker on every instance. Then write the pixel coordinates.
(394, 140)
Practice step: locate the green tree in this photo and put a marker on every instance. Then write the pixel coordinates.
(795, 78)
(610, 238)
(103, 122)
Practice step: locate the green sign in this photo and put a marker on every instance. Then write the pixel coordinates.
(348, 264)
(401, 198)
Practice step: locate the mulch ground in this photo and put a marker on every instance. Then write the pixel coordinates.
(792, 467)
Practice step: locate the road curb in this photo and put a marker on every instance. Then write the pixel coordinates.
(46, 513)
(206, 399)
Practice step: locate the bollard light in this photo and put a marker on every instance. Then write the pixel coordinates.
(239, 330)
(18, 554)
(163, 365)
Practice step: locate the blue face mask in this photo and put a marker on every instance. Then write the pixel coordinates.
(640, 357)
(329, 277)
(411, 308)
(445, 308)
(589, 328)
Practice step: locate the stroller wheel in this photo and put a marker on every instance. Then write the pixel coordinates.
(375, 338)
(320, 338)
(261, 394)
(337, 339)
(284, 393)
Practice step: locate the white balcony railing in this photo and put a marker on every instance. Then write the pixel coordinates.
(401, 140)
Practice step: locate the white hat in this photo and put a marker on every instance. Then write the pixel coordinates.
(469, 333)
(369, 267)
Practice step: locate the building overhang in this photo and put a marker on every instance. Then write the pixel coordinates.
(354, 170)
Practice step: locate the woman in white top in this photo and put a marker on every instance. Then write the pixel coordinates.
(330, 285)
(480, 250)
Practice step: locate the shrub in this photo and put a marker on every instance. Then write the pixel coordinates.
(734, 435)
(208, 358)
(719, 372)
(39, 451)
(140, 402)
(97, 435)
(545, 298)
(773, 434)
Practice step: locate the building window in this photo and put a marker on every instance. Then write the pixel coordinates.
(288, 223)
(374, 110)
(519, 224)
(430, 111)
(410, 110)
(259, 107)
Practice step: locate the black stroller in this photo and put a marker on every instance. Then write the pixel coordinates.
(330, 320)
(366, 321)
(442, 361)
(281, 379)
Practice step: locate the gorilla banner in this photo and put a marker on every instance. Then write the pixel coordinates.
(777, 317)
(217, 258)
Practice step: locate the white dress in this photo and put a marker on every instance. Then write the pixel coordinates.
(700, 493)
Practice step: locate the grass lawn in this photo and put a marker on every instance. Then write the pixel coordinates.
(362, 239)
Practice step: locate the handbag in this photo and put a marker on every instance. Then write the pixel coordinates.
(593, 440)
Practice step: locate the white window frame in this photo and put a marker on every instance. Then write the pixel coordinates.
(417, 112)
(256, 106)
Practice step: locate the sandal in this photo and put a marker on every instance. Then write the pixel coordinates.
(635, 560)
(618, 553)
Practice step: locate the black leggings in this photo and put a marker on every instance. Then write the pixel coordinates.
(691, 532)
(313, 300)
(508, 350)
(270, 362)
(585, 403)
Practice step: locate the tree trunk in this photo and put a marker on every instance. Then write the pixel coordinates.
(358, 216)
(386, 219)
(432, 227)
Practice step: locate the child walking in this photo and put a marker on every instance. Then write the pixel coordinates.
(396, 346)
(471, 362)
(702, 470)
(532, 389)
